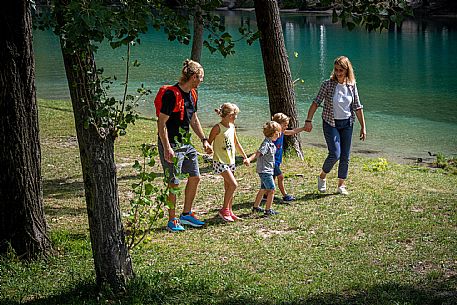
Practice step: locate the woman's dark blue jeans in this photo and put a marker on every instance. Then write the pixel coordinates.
(339, 139)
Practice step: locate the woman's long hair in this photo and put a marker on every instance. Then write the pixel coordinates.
(346, 64)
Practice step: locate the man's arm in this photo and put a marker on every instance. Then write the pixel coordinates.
(162, 128)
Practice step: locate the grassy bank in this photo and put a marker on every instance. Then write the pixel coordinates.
(393, 240)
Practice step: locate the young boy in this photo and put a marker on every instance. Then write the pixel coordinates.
(283, 120)
(265, 167)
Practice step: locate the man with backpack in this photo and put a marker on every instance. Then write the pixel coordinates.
(176, 107)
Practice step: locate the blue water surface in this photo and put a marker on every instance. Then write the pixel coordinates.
(406, 78)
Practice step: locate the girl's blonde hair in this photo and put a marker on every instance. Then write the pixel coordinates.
(190, 68)
(227, 109)
(270, 128)
(346, 64)
(280, 118)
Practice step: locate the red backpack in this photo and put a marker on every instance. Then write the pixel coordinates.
(179, 106)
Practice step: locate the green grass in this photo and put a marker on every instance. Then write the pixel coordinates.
(393, 240)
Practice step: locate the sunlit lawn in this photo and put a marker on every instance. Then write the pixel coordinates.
(391, 241)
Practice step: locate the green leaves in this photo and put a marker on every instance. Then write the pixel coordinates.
(371, 14)
(137, 166)
(82, 26)
(149, 198)
(250, 40)
(223, 44)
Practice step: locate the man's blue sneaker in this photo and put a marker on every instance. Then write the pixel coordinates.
(288, 198)
(174, 226)
(191, 220)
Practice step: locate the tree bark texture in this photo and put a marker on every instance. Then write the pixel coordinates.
(22, 221)
(197, 40)
(276, 66)
(111, 258)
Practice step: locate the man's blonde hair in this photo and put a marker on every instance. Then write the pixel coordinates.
(280, 118)
(190, 68)
(270, 128)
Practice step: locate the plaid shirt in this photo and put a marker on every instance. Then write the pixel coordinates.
(325, 95)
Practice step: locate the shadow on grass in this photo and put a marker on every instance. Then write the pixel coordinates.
(62, 188)
(59, 108)
(314, 196)
(163, 288)
(50, 211)
(65, 188)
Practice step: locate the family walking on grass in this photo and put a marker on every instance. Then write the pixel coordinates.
(176, 108)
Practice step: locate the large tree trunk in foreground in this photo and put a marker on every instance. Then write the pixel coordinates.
(96, 146)
(22, 221)
(113, 265)
(276, 66)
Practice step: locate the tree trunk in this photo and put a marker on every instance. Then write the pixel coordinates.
(197, 40)
(276, 66)
(96, 147)
(22, 221)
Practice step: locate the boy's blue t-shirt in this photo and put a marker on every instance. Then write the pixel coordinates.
(279, 145)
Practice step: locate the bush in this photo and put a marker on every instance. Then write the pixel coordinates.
(377, 165)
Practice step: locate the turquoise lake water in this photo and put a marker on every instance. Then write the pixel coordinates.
(406, 78)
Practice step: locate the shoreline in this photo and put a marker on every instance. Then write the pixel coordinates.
(328, 12)
(316, 140)
(291, 10)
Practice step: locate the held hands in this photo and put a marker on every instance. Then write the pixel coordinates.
(207, 147)
(247, 161)
(363, 134)
(308, 126)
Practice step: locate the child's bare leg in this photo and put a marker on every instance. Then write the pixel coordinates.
(270, 196)
(281, 185)
(230, 186)
(258, 198)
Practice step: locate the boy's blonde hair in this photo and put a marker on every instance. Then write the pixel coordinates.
(280, 118)
(270, 128)
(227, 109)
(190, 68)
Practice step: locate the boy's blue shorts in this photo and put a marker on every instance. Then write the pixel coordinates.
(266, 182)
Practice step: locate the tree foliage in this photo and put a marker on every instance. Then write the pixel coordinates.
(371, 14)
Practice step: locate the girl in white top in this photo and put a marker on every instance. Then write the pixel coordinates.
(225, 143)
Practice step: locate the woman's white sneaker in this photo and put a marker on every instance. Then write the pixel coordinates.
(321, 185)
(342, 190)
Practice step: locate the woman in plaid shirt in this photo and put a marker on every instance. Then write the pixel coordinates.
(341, 106)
